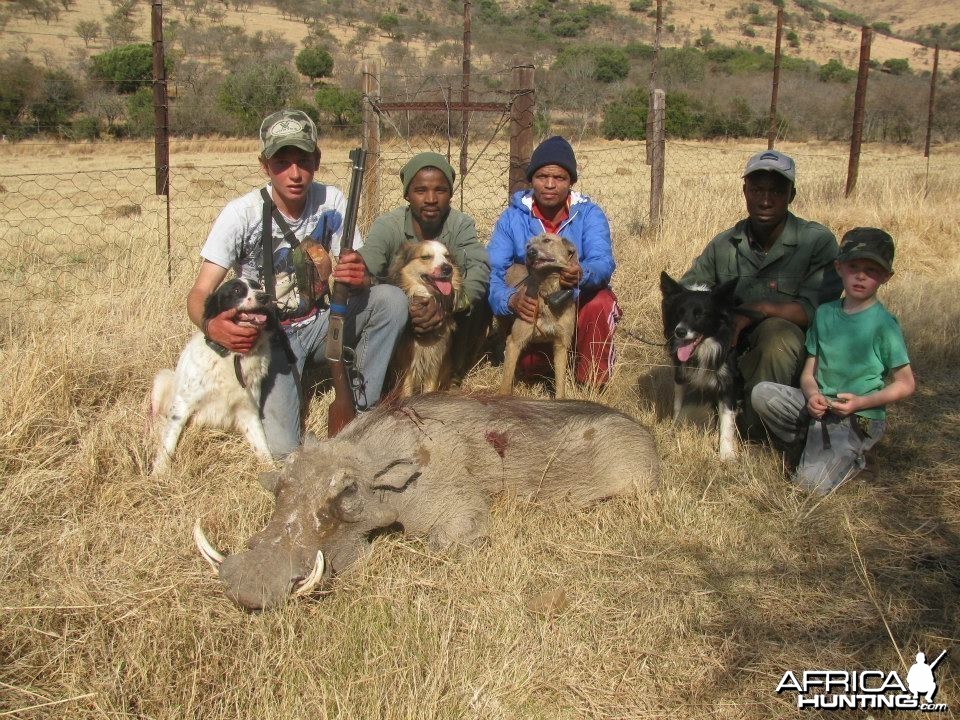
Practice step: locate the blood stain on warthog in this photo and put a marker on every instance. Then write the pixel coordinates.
(498, 440)
(589, 434)
(423, 456)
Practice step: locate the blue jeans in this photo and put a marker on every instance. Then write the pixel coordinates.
(373, 323)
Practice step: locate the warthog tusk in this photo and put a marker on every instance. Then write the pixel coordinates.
(313, 578)
(208, 551)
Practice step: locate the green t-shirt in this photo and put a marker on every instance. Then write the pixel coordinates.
(855, 352)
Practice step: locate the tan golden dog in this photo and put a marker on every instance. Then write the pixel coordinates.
(546, 255)
(426, 269)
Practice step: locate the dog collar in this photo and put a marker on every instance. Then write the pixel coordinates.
(223, 352)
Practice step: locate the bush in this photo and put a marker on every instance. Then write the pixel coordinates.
(834, 71)
(640, 5)
(85, 128)
(609, 63)
(129, 67)
(343, 107)
(389, 23)
(140, 120)
(883, 28)
(897, 66)
(251, 93)
(705, 40)
(626, 118)
(314, 62)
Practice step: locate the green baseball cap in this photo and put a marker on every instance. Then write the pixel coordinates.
(867, 243)
(287, 128)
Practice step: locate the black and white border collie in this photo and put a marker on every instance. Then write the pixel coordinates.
(211, 385)
(698, 325)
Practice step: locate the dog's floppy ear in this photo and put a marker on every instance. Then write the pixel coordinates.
(213, 305)
(669, 286)
(404, 255)
(726, 293)
(570, 248)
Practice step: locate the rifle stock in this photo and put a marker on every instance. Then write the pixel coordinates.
(342, 409)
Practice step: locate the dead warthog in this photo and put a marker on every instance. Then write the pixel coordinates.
(430, 464)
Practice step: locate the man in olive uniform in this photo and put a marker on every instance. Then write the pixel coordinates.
(784, 265)
(428, 189)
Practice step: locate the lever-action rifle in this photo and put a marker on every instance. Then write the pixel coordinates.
(342, 409)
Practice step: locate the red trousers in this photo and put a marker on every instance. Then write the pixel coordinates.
(595, 354)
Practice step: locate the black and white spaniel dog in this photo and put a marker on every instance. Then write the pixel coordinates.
(211, 385)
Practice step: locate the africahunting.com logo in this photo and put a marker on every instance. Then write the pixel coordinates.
(866, 689)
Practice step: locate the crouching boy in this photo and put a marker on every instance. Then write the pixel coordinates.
(853, 345)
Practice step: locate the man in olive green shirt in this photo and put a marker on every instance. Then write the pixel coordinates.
(784, 267)
(428, 188)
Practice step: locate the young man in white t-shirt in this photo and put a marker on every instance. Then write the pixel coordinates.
(375, 315)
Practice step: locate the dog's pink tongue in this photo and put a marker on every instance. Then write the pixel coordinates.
(444, 287)
(685, 351)
(253, 318)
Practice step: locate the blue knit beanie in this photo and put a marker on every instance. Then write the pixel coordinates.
(553, 151)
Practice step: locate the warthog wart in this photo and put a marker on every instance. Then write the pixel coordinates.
(430, 464)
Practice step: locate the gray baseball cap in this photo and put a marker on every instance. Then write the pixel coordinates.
(772, 160)
(287, 128)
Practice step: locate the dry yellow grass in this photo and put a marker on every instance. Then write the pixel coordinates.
(690, 603)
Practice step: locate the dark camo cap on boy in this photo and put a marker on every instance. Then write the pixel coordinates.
(867, 243)
(287, 128)
(772, 160)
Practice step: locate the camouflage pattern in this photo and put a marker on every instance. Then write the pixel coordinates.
(865, 243)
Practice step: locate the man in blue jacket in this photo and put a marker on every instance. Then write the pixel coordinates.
(551, 205)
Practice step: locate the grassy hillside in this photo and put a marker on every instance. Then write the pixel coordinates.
(728, 21)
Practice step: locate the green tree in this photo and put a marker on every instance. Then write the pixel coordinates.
(626, 118)
(314, 62)
(343, 107)
(128, 67)
(18, 77)
(389, 23)
(56, 99)
(88, 31)
(140, 118)
(611, 64)
(252, 92)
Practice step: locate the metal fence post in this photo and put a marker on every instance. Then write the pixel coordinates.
(522, 112)
(859, 102)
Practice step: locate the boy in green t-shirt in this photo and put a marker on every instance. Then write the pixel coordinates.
(853, 345)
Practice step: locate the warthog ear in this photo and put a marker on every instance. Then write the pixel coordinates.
(396, 475)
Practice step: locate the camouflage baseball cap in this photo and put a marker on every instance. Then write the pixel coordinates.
(287, 128)
(868, 244)
(772, 160)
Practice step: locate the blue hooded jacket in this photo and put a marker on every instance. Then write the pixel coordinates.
(587, 228)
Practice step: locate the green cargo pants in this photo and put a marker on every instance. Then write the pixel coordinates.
(770, 351)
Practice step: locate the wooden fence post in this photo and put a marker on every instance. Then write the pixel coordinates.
(772, 131)
(522, 111)
(933, 91)
(161, 128)
(652, 83)
(859, 102)
(370, 199)
(658, 152)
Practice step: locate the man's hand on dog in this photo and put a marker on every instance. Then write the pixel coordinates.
(523, 306)
(426, 315)
(571, 274)
(224, 330)
(351, 270)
